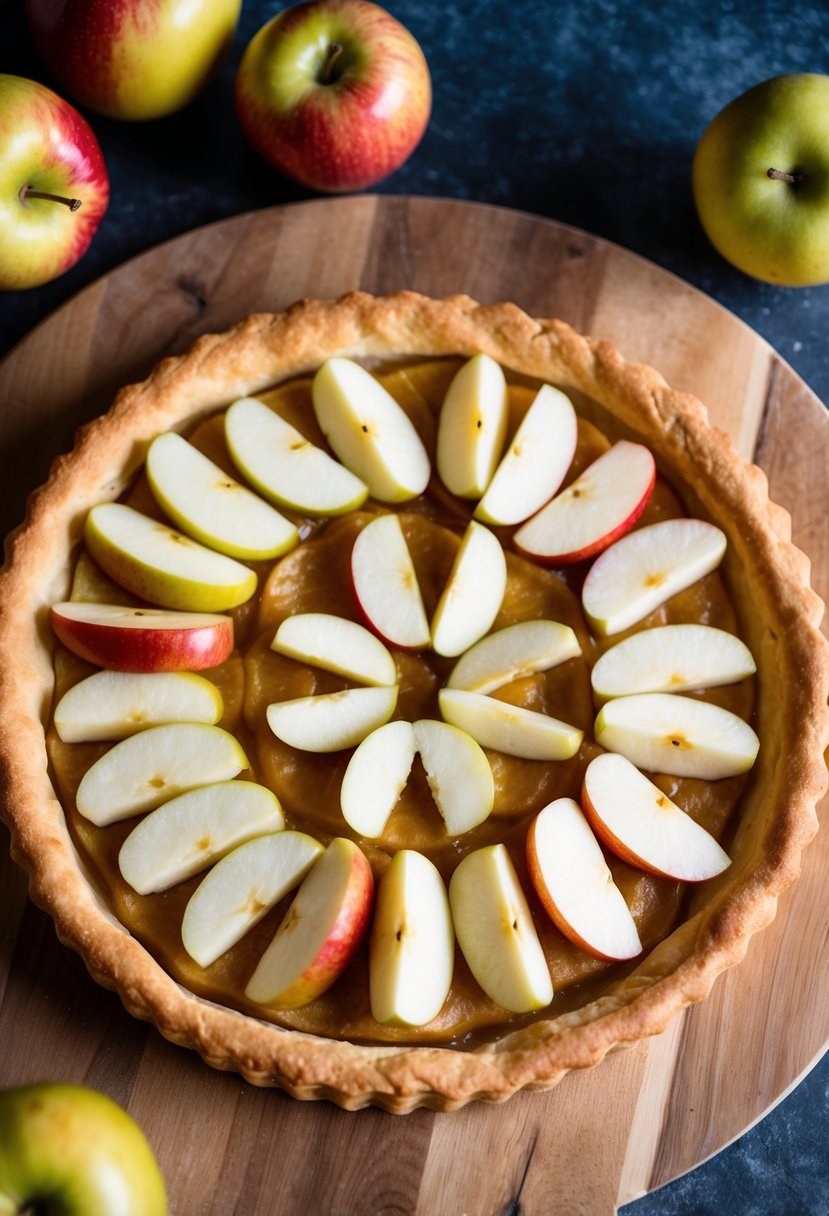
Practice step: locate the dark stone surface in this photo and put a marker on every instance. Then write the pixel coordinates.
(586, 111)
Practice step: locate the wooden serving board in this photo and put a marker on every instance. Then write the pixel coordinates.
(602, 1137)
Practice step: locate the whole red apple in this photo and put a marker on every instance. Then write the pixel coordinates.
(54, 187)
(336, 94)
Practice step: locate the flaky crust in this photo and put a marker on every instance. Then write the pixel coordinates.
(767, 579)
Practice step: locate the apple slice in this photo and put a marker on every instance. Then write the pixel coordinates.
(509, 728)
(212, 507)
(368, 430)
(640, 824)
(671, 658)
(142, 639)
(412, 943)
(595, 510)
(575, 886)
(473, 593)
(472, 427)
(115, 704)
(666, 733)
(385, 584)
(512, 653)
(158, 564)
(335, 644)
(241, 888)
(287, 468)
(536, 462)
(496, 933)
(645, 569)
(376, 777)
(321, 931)
(191, 831)
(458, 773)
(331, 721)
(157, 764)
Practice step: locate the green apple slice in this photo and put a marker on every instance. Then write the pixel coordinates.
(161, 565)
(412, 943)
(116, 704)
(671, 658)
(336, 644)
(241, 888)
(149, 768)
(212, 507)
(509, 728)
(331, 721)
(472, 597)
(458, 773)
(191, 831)
(376, 777)
(369, 432)
(496, 933)
(287, 468)
(512, 653)
(472, 427)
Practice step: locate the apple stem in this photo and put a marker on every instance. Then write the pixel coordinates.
(27, 192)
(778, 175)
(326, 73)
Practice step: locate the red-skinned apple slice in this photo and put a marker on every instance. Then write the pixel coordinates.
(641, 571)
(320, 932)
(331, 721)
(115, 704)
(385, 585)
(376, 777)
(509, 728)
(595, 510)
(472, 597)
(336, 644)
(536, 461)
(514, 652)
(573, 882)
(472, 427)
(142, 639)
(640, 824)
(671, 658)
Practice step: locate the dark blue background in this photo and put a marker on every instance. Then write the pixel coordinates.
(587, 112)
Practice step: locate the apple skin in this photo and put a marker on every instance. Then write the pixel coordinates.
(145, 650)
(770, 228)
(45, 145)
(352, 130)
(66, 1150)
(133, 59)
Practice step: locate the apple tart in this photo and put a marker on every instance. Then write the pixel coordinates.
(407, 701)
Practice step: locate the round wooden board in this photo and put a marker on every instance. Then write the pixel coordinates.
(603, 1137)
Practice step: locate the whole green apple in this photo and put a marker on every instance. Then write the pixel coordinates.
(133, 59)
(761, 181)
(66, 1150)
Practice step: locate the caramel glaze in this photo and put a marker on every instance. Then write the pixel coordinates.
(314, 577)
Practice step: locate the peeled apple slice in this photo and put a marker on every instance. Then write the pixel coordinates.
(116, 704)
(512, 653)
(671, 658)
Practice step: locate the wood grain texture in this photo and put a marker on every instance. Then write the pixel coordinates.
(645, 1115)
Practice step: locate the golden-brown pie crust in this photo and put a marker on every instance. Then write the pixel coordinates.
(767, 580)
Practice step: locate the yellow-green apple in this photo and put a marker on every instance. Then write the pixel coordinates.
(471, 599)
(321, 930)
(495, 931)
(512, 653)
(458, 773)
(369, 432)
(509, 728)
(116, 704)
(331, 721)
(56, 187)
(376, 777)
(761, 180)
(335, 94)
(142, 639)
(159, 564)
(664, 732)
(640, 824)
(412, 943)
(536, 461)
(641, 571)
(593, 511)
(336, 644)
(190, 832)
(67, 1150)
(472, 427)
(237, 892)
(212, 507)
(157, 764)
(671, 658)
(133, 59)
(287, 468)
(385, 585)
(574, 883)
